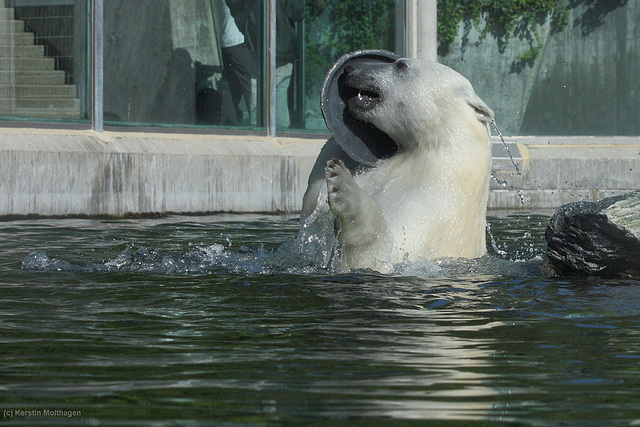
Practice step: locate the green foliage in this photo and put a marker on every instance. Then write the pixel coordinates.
(361, 23)
(337, 27)
(503, 19)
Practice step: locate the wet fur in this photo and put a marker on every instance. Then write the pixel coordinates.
(429, 199)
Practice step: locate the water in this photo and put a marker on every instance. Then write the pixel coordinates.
(213, 320)
(505, 146)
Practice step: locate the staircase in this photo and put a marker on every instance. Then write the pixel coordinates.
(30, 86)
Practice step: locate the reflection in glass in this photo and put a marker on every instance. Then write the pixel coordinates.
(184, 62)
(191, 62)
(43, 60)
(289, 15)
(328, 30)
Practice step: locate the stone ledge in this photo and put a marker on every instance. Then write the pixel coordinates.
(559, 170)
(54, 172)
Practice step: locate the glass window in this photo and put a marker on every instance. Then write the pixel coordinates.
(184, 63)
(44, 71)
(312, 35)
(548, 67)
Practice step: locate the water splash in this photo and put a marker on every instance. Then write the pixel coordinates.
(492, 240)
(231, 254)
(218, 259)
(504, 183)
(316, 238)
(506, 147)
(198, 260)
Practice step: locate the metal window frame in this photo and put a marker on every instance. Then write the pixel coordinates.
(97, 113)
(271, 61)
(421, 26)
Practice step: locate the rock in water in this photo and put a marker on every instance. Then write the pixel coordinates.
(595, 239)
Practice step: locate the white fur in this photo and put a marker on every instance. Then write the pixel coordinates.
(426, 201)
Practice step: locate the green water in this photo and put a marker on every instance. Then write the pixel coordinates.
(208, 320)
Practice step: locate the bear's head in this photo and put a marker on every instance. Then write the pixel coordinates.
(416, 102)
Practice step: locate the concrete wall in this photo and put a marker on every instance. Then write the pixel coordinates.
(558, 170)
(53, 172)
(70, 172)
(584, 82)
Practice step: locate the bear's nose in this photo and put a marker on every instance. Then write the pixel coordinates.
(348, 69)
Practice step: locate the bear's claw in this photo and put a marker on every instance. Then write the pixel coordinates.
(344, 192)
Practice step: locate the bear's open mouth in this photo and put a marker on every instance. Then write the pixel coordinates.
(360, 97)
(363, 98)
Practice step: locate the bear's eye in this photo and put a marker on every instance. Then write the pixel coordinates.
(402, 66)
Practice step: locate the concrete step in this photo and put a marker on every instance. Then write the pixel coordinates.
(6, 13)
(26, 77)
(20, 51)
(45, 113)
(27, 64)
(37, 91)
(11, 26)
(16, 38)
(52, 102)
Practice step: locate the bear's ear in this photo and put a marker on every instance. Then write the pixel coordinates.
(482, 110)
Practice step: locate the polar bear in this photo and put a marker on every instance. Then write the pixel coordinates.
(429, 199)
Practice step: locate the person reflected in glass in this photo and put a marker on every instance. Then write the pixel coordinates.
(288, 13)
(238, 64)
